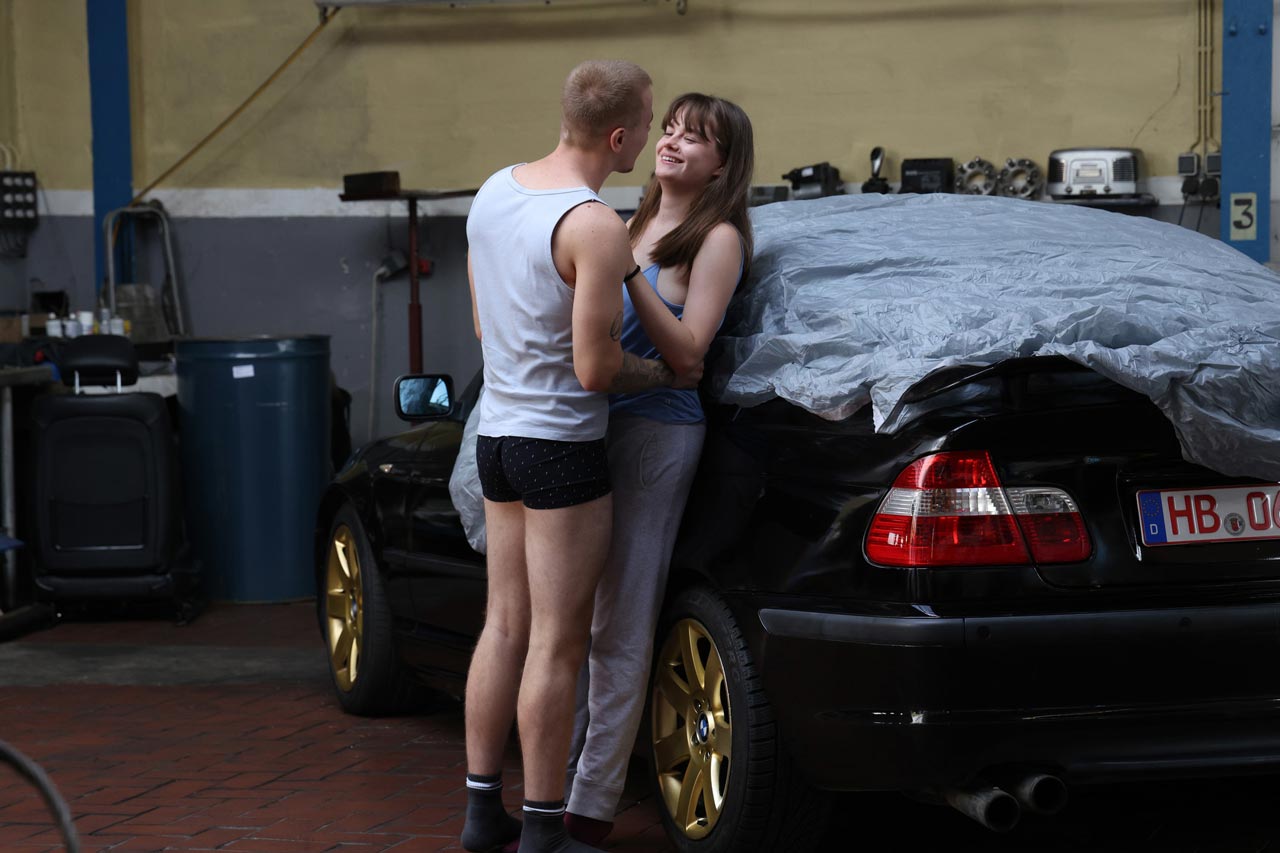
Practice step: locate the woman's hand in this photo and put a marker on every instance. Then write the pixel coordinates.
(690, 378)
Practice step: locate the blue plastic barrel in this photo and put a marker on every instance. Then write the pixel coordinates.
(254, 432)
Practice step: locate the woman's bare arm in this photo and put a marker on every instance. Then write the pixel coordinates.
(683, 341)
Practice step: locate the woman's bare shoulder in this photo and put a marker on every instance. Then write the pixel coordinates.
(723, 238)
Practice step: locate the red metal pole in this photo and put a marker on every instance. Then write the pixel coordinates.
(415, 307)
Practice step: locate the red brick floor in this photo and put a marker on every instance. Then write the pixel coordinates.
(223, 735)
(264, 764)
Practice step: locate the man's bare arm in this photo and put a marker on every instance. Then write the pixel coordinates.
(641, 374)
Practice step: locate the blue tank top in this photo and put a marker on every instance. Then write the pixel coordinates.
(667, 405)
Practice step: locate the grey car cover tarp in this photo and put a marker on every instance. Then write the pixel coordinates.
(853, 299)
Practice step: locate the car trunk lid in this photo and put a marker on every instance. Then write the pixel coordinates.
(1117, 456)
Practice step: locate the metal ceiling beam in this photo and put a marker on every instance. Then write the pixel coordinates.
(681, 5)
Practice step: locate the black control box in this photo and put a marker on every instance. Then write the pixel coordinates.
(929, 175)
(18, 208)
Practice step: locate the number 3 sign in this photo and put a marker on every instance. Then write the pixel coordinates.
(1244, 216)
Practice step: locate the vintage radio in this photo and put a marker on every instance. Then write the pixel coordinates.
(1093, 172)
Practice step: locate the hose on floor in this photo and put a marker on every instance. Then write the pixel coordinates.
(32, 772)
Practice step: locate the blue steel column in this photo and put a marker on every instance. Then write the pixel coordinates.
(1246, 126)
(112, 142)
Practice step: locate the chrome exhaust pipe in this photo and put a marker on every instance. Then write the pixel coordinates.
(993, 808)
(1041, 793)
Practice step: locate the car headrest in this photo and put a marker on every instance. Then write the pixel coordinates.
(97, 358)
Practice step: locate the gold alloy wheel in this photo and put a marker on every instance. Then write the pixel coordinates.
(344, 607)
(692, 734)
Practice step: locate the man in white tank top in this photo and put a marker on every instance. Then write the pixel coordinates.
(547, 260)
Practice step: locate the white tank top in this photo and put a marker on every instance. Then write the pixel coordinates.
(526, 315)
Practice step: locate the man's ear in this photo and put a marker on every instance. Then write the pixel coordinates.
(616, 138)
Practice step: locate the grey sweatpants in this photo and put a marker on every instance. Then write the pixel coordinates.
(651, 466)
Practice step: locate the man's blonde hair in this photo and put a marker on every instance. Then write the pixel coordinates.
(601, 94)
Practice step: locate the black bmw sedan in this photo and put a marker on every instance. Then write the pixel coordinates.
(1020, 587)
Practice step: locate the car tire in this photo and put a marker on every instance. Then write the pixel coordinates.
(712, 799)
(356, 624)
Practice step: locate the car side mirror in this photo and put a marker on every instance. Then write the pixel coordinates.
(424, 397)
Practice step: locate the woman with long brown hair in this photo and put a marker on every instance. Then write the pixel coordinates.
(692, 241)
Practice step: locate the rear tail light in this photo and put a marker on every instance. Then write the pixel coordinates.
(1052, 523)
(948, 509)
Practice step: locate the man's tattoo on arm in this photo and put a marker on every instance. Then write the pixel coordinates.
(615, 329)
(640, 374)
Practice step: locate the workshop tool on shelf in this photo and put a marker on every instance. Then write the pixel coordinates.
(1020, 178)
(816, 181)
(876, 184)
(977, 177)
(153, 318)
(928, 175)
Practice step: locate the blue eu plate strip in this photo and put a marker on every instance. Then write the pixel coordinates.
(1153, 532)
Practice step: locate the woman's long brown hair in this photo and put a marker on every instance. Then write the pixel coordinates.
(726, 196)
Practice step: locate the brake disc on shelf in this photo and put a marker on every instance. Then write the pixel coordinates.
(977, 177)
(1020, 178)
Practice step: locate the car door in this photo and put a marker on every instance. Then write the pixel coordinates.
(445, 578)
(392, 471)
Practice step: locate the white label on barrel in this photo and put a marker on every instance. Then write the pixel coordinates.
(242, 371)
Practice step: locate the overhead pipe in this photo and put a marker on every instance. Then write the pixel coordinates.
(682, 6)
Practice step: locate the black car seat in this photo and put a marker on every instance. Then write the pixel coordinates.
(106, 514)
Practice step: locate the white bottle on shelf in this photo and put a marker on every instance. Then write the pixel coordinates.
(53, 326)
(71, 326)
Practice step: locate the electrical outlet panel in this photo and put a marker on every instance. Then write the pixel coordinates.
(1213, 164)
(1189, 164)
(18, 207)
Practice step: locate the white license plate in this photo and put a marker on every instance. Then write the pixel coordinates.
(1228, 514)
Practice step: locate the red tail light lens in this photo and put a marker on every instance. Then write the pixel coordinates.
(897, 540)
(948, 509)
(949, 471)
(1052, 524)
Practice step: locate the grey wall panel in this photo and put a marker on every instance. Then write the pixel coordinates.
(59, 257)
(314, 276)
(288, 277)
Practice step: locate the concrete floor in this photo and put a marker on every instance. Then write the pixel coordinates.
(223, 735)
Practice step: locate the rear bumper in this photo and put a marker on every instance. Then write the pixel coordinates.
(910, 702)
(1057, 629)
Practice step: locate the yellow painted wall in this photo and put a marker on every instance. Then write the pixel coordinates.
(50, 60)
(447, 95)
(8, 91)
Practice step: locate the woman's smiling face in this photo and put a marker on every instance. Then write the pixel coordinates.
(685, 156)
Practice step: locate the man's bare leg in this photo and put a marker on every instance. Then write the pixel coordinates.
(494, 677)
(565, 553)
